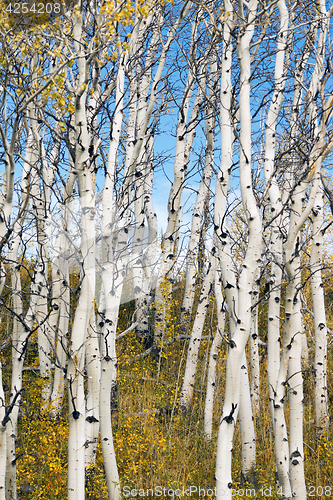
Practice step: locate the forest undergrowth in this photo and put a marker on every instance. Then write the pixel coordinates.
(157, 448)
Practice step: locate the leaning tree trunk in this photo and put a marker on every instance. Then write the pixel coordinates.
(182, 156)
(191, 273)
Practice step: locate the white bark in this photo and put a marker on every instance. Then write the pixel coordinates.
(213, 354)
(247, 274)
(275, 205)
(93, 364)
(254, 349)
(75, 371)
(193, 348)
(183, 147)
(113, 272)
(196, 223)
(292, 346)
(61, 297)
(16, 388)
(248, 438)
(295, 386)
(320, 325)
(139, 84)
(3, 441)
(21, 329)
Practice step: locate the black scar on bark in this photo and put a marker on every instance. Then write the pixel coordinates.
(91, 419)
(229, 418)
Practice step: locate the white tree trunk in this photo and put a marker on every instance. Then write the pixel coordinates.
(114, 242)
(247, 274)
(193, 349)
(248, 438)
(183, 147)
(21, 329)
(93, 363)
(61, 297)
(295, 386)
(192, 251)
(3, 441)
(214, 350)
(275, 204)
(254, 350)
(320, 326)
(76, 363)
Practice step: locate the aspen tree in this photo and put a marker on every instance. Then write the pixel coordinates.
(184, 143)
(275, 228)
(320, 327)
(292, 345)
(19, 333)
(213, 355)
(193, 348)
(191, 272)
(242, 305)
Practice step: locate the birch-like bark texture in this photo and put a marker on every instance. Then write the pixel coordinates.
(191, 273)
(61, 296)
(182, 155)
(75, 370)
(254, 350)
(194, 345)
(275, 204)
(217, 117)
(92, 402)
(246, 279)
(213, 355)
(3, 443)
(320, 326)
(246, 423)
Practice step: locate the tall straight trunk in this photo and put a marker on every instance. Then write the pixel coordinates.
(143, 177)
(295, 384)
(254, 349)
(41, 209)
(16, 387)
(114, 242)
(76, 363)
(3, 441)
(61, 296)
(21, 329)
(275, 247)
(246, 423)
(247, 275)
(193, 349)
(320, 325)
(93, 364)
(42, 180)
(292, 345)
(213, 355)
